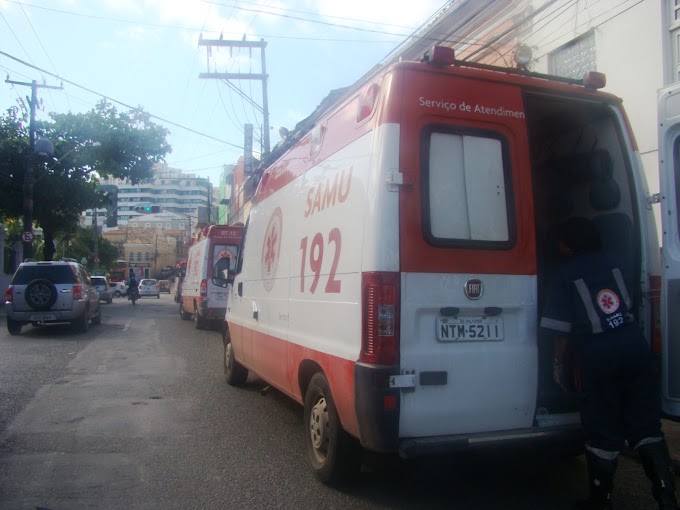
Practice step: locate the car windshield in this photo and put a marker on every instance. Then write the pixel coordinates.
(53, 273)
(98, 280)
(148, 282)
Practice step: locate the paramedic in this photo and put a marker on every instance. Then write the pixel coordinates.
(589, 312)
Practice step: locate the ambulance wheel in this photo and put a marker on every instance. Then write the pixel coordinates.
(235, 373)
(184, 315)
(335, 455)
(199, 322)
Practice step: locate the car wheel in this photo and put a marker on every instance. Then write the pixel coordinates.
(41, 294)
(184, 315)
(117, 293)
(83, 323)
(97, 319)
(235, 373)
(335, 456)
(14, 327)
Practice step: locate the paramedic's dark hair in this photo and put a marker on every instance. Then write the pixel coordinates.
(580, 234)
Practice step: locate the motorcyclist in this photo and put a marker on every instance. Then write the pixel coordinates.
(132, 286)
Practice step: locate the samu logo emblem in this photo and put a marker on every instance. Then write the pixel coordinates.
(608, 301)
(271, 248)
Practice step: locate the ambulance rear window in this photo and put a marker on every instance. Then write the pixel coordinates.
(466, 188)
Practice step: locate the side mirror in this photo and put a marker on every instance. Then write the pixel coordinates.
(231, 275)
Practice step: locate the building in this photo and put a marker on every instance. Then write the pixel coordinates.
(170, 189)
(155, 241)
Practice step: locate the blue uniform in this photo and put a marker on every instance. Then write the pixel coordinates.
(589, 302)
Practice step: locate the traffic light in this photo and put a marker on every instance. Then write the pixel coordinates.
(148, 209)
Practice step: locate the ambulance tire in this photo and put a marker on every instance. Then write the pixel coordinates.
(235, 373)
(335, 455)
(199, 322)
(184, 315)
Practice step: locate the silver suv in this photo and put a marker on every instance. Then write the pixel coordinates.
(48, 292)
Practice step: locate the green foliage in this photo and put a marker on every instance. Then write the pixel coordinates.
(79, 244)
(102, 142)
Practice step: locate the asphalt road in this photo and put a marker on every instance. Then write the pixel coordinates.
(135, 414)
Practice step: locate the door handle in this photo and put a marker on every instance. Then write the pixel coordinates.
(240, 289)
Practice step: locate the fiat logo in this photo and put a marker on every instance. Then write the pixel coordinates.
(474, 288)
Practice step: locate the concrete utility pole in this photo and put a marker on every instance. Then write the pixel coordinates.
(245, 76)
(29, 176)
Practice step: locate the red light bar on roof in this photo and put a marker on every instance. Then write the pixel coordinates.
(442, 56)
(594, 80)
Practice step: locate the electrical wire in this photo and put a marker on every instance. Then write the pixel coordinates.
(109, 98)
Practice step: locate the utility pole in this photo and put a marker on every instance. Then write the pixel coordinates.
(96, 239)
(29, 176)
(245, 76)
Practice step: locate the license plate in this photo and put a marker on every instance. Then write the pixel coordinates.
(471, 329)
(43, 317)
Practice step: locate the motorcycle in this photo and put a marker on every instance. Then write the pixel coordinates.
(133, 294)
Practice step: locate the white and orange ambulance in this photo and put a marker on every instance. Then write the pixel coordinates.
(398, 249)
(203, 294)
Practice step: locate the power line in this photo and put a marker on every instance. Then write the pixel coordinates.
(108, 98)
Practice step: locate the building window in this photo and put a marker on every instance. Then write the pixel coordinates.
(147, 225)
(131, 256)
(168, 226)
(674, 29)
(134, 224)
(139, 256)
(146, 256)
(574, 59)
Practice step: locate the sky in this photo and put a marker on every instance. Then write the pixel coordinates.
(146, 53)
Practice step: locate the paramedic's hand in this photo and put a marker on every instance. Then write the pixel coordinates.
(560, 376)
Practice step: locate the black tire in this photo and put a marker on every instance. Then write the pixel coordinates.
(117, 293)
(199, 322)
(83, 323)
(235, 373)
(335, 456)
(183, 314)
(40, 294)
(14, 327)
(97, 319)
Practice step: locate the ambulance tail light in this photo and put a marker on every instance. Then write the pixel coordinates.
(8, 294)
(204, 288)
(367, 100)
(595, 80)
(380, 319)
(442, 56)
(655, 301)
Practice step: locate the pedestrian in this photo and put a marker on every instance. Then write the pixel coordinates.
(132, 285)
(590, 313)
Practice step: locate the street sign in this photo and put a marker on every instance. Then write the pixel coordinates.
(27, 237)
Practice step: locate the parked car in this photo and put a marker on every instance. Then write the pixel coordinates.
(102, 286)
(164, 286)
(119, 289)
(51, 292)
(148, 287)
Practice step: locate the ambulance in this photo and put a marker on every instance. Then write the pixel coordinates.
(203, 293)
(397, 254)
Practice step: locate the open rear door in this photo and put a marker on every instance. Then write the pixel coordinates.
(669, 168)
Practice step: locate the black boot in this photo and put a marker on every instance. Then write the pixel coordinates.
(658, 468)
(600, 482)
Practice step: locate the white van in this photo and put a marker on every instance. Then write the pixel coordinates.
(203, 293)
(397, 253)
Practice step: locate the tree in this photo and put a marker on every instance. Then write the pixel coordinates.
(100, 143)
(78, 245)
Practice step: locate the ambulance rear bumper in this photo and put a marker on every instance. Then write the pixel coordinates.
(562, 438)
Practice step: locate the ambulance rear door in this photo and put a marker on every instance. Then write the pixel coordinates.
(669, 168)
(468, 284)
